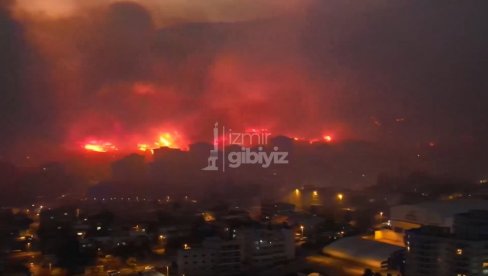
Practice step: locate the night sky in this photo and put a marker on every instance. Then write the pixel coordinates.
(400, 73)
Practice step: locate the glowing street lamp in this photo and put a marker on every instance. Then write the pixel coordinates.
(340, 197)
(302, 228)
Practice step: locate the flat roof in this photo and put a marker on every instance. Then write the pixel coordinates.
(369, 252)
(438, 213)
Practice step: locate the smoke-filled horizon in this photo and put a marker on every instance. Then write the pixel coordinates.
(404, 73)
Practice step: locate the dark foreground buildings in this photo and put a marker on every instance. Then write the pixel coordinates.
(461, 250)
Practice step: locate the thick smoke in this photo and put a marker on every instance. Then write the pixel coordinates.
(407, 72)
(26, 103)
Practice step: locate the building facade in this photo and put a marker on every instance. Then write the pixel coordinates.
(460, 251)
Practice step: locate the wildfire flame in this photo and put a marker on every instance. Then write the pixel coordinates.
(100, 146)
(172, 139)
(166, 140)
(326, 138)
(145, 147)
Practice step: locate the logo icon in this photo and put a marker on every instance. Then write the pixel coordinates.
(246, 156)
(214, 153)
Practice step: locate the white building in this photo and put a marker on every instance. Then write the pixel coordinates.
(267, 246)
(214, 256)
(435, 213)
(459, 250)
(253, 248)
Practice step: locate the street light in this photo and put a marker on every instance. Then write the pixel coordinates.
(302, 228)
(340, 196)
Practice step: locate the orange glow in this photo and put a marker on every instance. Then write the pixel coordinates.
(100, 146)
(166, 140)
(325, 138)
(328, 138)
(96, 148)
(170, 138)
(145, 147)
